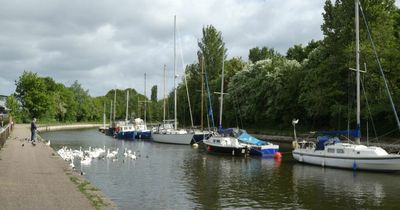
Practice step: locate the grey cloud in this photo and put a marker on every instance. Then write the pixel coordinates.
(108, 44)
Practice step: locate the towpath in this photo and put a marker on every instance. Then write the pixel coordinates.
(33, 177)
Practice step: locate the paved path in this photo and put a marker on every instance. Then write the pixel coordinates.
(31, 177)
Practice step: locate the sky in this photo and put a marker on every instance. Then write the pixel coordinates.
(106, 44)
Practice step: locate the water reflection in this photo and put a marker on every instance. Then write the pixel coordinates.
(180, 177)
(340, 188)
(229, 182)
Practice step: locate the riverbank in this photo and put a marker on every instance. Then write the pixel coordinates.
(35, 177)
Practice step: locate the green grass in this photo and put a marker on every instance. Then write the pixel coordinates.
(89, 191)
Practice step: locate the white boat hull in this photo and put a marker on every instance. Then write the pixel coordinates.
(381, 163)
(173, 138)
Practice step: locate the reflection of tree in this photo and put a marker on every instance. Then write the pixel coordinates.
(316, 186)
(233, 182)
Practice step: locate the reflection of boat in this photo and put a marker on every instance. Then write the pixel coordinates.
(340, 183)
(331, 152)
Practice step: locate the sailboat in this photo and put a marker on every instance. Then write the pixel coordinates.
(168, 131)
(331, 152)
(141, 126)
(126, 130)
(200, 135)
(224, 141)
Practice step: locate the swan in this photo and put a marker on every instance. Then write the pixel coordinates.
(86, 160)
(133, 156)
(72, 163)
(125, 153)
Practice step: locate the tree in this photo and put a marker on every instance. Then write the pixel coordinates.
(154, 93)
(31, 92)
(16, 112)
(82, 99)
(212, 48)
(257, 54)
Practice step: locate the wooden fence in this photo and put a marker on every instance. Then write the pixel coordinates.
(4, 134)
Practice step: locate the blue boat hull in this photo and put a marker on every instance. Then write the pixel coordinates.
(257, 151)
(143, 135)
(126, 135)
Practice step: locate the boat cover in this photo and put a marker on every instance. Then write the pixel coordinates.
(323, 140)
(245, 137)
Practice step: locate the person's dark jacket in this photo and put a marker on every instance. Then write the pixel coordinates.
(33, 126)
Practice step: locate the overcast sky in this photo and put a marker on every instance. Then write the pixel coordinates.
(106, 44)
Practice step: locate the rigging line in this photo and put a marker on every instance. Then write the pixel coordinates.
(184, 73)
(236, 114)
(380, 67)
(369, 110)
(210, 110)
(239, 110)
(385, 134)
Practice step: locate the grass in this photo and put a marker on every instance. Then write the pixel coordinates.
(89, 191)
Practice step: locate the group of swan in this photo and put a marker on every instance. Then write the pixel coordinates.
(87, 156)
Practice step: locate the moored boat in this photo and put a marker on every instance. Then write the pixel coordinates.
(331, 152)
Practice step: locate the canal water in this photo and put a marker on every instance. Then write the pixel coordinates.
(181, 177)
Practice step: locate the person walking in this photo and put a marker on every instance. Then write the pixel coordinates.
(33, 131)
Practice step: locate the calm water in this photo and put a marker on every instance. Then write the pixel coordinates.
(180, 177)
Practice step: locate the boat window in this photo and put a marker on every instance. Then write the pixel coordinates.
(330, 150)
(339, 151)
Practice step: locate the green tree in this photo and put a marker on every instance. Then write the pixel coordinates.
(257, 54)
(16, 112)
(82, 98)
(154, 93)
(31, 92)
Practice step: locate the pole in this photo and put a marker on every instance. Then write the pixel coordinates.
(222, 93)
(115, 103)
(104, 116)
(127, 104)
(165, 89)
(357, 139)
(111, 111)
(202, 92)
(175, 108)
(145, 102)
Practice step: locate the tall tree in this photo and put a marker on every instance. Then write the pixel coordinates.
(212, 48)
(257, 54)
(154, 93)
(31, 92)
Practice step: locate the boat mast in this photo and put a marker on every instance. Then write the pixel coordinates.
(145, 101)
(115, 103)
(202, 91)
(127, 104)
(104, 116)
(164, 91)
(111, 111)
(222, 93)
(357, 139)
(175, 115)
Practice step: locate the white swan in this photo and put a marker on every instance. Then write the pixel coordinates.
(133, 156)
